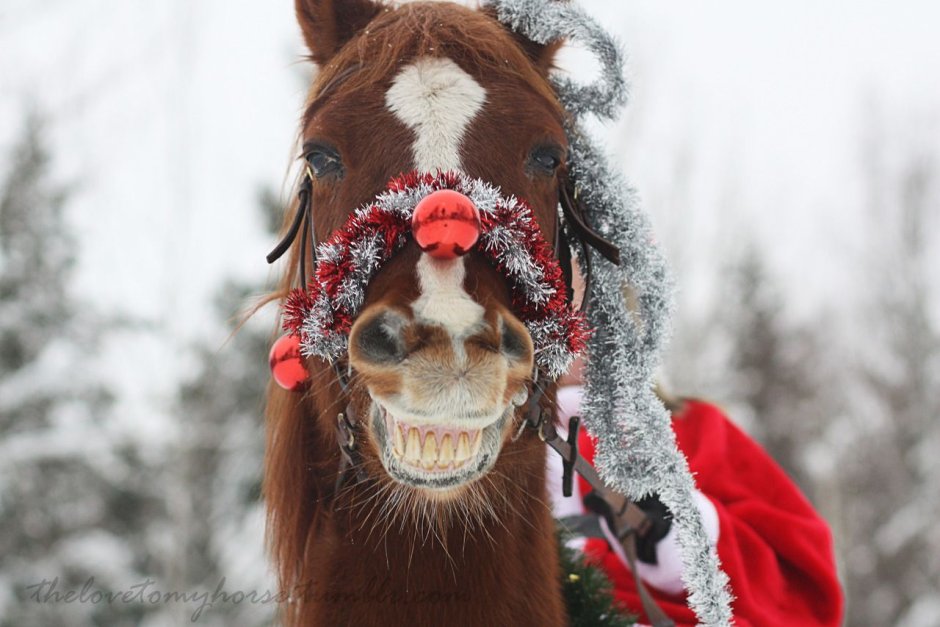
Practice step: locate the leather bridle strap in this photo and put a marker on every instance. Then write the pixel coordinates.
(619, 522)
(304, 217)
(346, 421)
(629, 521)
(571, 227)
(569, 197)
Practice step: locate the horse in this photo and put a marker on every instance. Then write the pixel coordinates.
(455, 527)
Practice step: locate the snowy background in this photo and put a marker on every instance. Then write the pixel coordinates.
(790, 156)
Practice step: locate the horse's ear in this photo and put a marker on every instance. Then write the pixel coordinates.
(328, 24)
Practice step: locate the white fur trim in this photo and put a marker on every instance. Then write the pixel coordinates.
(437, 100)
(666, 574)
(568, 401)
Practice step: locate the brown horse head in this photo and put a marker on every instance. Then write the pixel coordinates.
(440, 361)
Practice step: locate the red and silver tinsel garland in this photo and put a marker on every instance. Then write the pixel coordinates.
(510, 239)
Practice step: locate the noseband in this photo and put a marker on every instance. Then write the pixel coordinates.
(326, 336)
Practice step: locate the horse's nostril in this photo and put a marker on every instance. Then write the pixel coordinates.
(379, 339)
(511, 343)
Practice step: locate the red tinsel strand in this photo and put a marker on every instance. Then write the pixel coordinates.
(296, 306)
(393, 231)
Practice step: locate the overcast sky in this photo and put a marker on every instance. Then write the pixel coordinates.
(169, 115)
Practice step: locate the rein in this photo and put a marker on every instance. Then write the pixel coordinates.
(624, 518)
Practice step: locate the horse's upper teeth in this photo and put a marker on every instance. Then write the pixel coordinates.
(429, 455)
(431, 447)
(446, 455)
(413, 452)
(399, 441)
(463, 447)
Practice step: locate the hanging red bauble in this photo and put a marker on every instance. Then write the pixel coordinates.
(287, 364)
(446, 224)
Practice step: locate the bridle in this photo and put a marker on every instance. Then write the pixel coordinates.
(624, 518)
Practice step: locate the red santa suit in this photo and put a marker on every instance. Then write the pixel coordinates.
(775, 548)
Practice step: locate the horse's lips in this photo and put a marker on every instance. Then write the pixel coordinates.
(477, 452)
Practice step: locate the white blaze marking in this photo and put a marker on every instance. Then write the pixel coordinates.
(443, 300)
(437, 100)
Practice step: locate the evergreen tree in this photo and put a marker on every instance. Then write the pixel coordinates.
(75, 500)
(219, 461)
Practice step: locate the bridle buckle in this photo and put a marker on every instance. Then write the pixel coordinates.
(345, 434)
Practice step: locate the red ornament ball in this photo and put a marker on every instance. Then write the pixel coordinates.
(446, 224)
(287, 364)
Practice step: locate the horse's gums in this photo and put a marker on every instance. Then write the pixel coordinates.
(380, 552)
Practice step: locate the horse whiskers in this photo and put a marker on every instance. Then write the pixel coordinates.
(376, 500)
(403, 516)
(386, 503)
(512, 507)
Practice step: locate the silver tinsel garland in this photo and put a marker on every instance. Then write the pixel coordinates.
(506, 241)
(636, 450)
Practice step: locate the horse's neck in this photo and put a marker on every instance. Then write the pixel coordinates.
(370, 570)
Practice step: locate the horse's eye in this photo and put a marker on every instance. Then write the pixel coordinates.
(545, 159)
(323, 161)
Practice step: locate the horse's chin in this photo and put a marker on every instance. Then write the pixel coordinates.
(438, 455)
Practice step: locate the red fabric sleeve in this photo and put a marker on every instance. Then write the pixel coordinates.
(776, 550)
